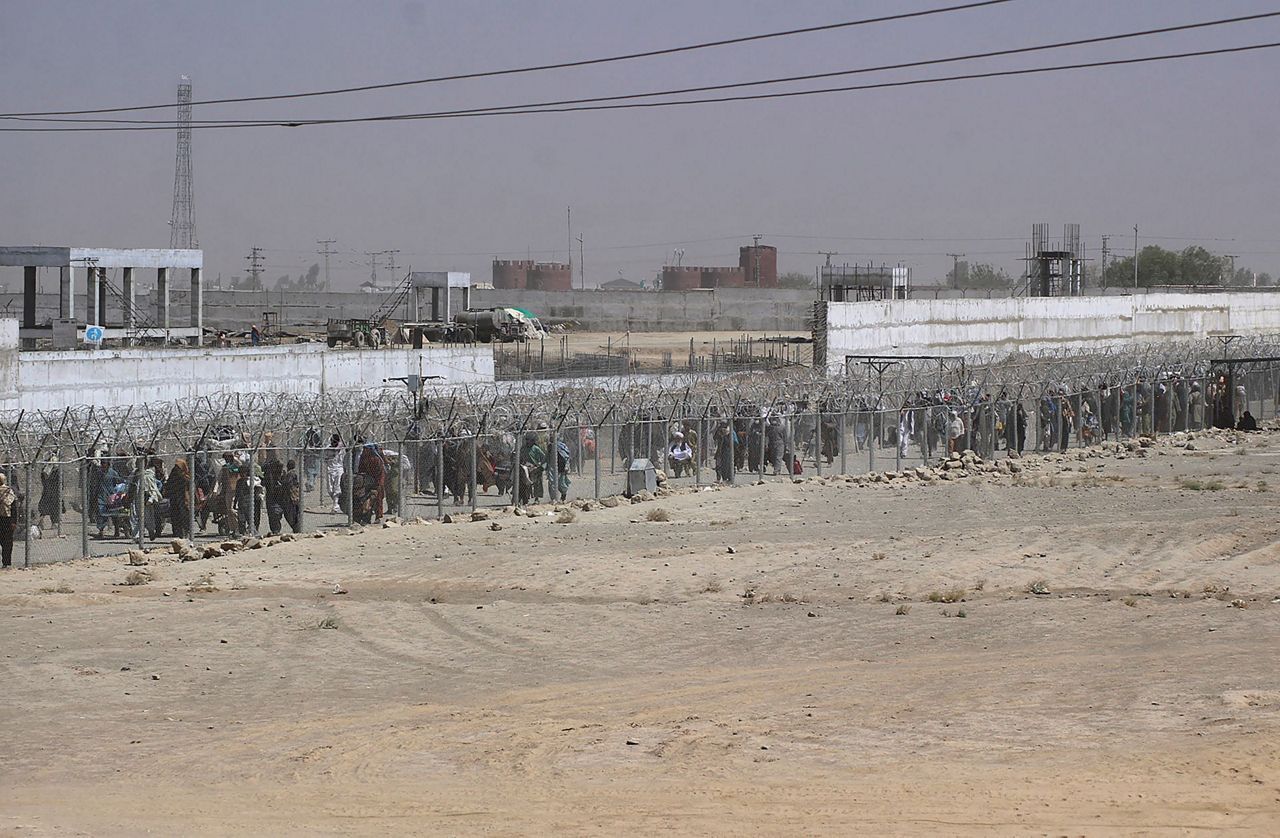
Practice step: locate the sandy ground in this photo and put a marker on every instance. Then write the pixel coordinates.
(648, 347)
(738, 669)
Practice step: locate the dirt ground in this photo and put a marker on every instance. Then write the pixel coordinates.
(740, 668)
(648, 347)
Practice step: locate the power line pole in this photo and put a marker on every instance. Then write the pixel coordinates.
(756, 249)
(1105, 253)
(582, 265)
(182, 224)
(1135, 257)
(326, 252)
(392, 267)
(955, 268)
(373, 266)
(568, 212)
(255, 267)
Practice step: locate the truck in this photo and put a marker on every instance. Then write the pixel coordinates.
(504, 325)
(354, 331)
(483, 325)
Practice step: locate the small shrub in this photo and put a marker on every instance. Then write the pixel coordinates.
(953, 595)
(61, 589)
(1039, 588)
(713, 586)
(1194, 485)
(903, 610)
(1130, 601)
(884, 597)
(657, 514)
(980, 585)
(566, 516)
(1239, 603)
(328, 623)
(1261, 486)
(137, 577)
(878, 557)
(962, 613)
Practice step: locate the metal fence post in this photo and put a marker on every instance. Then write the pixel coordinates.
(350, 490)
(817, 443)
(871, 442)
(84, 507)
(250, 526)
(440, 476)
(301, 511)
(596, 462)
(140, 502)
(844, 443)
(471, 478)
(516, 452)
(26, 515)
(191, 497)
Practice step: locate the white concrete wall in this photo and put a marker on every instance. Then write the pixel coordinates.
(110, 378)
(1037, 324)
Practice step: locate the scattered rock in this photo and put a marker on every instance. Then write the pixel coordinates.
(479, 515)
(495, 527)
(177, 546)
(447, 519)
(611, 501)
(213, 551)
(137, 557)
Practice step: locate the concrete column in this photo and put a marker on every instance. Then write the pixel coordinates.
(92, 313)
(197, 306)
(28, 303)
(466, 297)
(162, 300)
(129, 301)
(67, 293)
(103, 307)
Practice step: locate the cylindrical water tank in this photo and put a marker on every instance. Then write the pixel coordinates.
(681, 278)
(511, 273)
(767, 265)
(550, 276)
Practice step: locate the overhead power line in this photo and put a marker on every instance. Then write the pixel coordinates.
(563, 65)
(1099, 39)
(518, 111)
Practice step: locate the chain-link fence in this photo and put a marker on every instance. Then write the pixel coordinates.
(86, 483)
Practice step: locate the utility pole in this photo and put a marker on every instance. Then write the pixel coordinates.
(182, 224)
(391, 262)
(255, 267)
(1232, 277)
(1105, 253)
(955, 268)
(756, 249)
(373, 266)
(1135, 258)
(568, 215)
(582, 265)
(326, 252)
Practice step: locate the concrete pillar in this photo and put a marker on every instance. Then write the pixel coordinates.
(67, 293)
(28, 303)
(466, 297)
(197, 306)
(104, 308)
(162, 300)
(92, 311)
(129, 300)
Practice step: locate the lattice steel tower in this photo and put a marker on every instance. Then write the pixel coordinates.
(182, 226)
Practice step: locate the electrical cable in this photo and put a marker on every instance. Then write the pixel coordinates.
(1026, 71)
(585, 62)
(1164, 30)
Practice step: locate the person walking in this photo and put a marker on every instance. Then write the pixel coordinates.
(10, 507)
(334, 468)
(176, 491)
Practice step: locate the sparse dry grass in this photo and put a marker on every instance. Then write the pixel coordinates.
(60, 589)
(657, 514)
(903, 610)
(137, 577)
(566, 516)
(953, 595)
(328, 623)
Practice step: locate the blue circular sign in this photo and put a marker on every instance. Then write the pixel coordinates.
(93, 334)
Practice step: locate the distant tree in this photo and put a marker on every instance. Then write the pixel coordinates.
(1197, 266)
(988, 276)
(796, 280)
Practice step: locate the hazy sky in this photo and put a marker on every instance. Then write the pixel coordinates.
(1187, 150)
